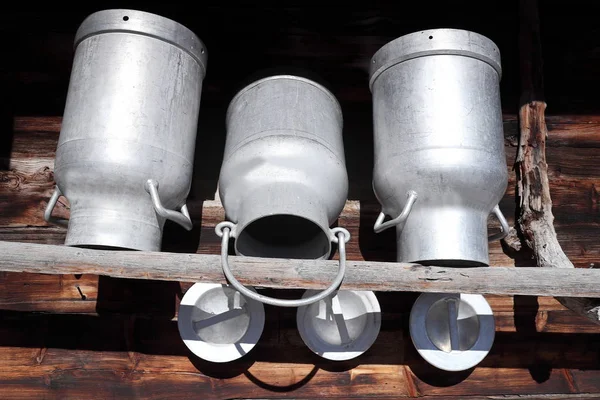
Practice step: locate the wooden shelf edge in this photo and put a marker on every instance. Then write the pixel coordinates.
(299, 274)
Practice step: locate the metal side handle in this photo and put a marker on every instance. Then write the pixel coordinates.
(50, 207)
(182, 218)
(503, 225)
(381, 226)
(338, 235)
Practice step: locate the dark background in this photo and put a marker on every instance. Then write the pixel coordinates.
(334, 40)
(330, 41)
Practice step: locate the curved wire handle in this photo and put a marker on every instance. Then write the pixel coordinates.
(50, 207)
(400, 219)
(503, 225)
(182, 218)
(339, 235)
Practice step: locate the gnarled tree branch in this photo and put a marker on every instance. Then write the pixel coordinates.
(536, 218)
(535, 221)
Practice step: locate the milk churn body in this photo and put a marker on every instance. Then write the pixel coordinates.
(283, 179)
(131, 115)
(438, 132)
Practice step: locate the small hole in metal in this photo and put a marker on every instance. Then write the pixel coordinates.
(202, 51)
(430, 37)
(126, 18)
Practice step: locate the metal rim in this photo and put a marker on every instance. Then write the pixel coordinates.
(427, 43)
(284, 77)
(144, 23)
(218, 352)
(455, 360)
(346, 351)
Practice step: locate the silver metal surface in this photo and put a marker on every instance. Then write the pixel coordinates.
(131, 116)
(452, 324)
(438, 133)
(283, 180)
(341, 326)
(342, 235)
(453, 332)
(219, 324)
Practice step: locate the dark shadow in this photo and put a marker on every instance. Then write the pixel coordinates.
(270, 70)
(280, 342)
(208, 155)
(525, 310)
(281, 389)
(6, 120)
(525, 325)
(222, 370)
(137, 296)
(452, 263)
(177, 240)
(283, 236)
(375, 246)
(336, 366)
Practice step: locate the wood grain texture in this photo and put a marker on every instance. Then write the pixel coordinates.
(294, 274)
(89, 294)
(536, 219)
(124, 356)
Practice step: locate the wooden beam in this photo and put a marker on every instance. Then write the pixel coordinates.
(306, 274)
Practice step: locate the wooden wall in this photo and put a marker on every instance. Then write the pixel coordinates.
(89, 336)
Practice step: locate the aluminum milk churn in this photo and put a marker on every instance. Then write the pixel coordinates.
(440, 167)
(283, 180)
(440, 170)
(126, 147)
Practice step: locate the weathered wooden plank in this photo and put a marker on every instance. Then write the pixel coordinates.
(281, 383)
(280, 380)
(545, 396)
(80, 294)
(547, 321)
(64, 355)
(505, 382)
(315, 274)
(585, 380)
(157, 300)
(152, 349)
(49, 293)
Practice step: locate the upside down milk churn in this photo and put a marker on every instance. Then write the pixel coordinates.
(126, 147)
(440, 170)
(439, 144)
